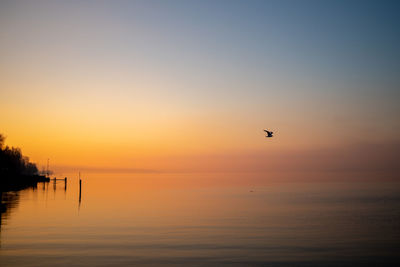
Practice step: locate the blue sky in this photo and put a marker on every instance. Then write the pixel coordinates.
(217, 66)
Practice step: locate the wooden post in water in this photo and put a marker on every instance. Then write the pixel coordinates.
(80, 189)
(65, 184)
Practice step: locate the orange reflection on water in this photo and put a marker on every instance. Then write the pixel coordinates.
(126, 219)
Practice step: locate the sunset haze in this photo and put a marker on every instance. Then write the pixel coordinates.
(186, 86)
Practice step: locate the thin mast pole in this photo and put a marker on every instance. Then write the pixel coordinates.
(48, 167)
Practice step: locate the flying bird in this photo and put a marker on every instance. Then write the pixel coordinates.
(269, 134)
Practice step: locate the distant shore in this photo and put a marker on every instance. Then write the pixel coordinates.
(19, 182)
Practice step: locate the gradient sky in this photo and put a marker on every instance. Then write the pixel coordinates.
(185, 85)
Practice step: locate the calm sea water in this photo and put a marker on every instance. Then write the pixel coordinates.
(201, 220)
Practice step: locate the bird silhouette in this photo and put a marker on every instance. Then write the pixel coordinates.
(269, 133)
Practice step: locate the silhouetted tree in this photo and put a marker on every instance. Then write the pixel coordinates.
(2, 138)
(13, 163)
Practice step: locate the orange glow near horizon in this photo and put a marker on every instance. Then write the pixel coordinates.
(140, 94)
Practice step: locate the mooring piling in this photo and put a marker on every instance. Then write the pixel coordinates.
(80, 190)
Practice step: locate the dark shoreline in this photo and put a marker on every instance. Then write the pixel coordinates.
(19, 182)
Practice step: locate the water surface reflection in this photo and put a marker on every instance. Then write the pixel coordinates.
(198, 220)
